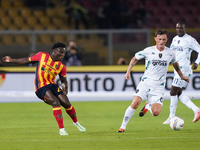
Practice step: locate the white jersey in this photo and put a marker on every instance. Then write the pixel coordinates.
(183, 47)
(156, 62)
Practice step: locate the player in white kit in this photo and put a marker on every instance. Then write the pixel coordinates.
(183, 45)
(157, 59)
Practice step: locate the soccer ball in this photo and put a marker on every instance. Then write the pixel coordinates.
(176, 123)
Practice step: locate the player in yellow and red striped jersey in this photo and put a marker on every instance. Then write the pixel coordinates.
(48, 67)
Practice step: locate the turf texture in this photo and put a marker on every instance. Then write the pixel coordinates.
(31, 126)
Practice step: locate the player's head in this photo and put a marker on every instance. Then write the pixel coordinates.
(58, 51)
(180, 28)
(161, 39)
(58, 45)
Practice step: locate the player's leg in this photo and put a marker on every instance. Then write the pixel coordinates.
(143, 111)
(129, 112)
(155, 97)
(173, 102)
(187, 102)
(155, 102)
(156, 109)
(52, 100)
(139, 94)
(70, 110)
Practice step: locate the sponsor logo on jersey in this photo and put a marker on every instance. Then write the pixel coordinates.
(159, 63)
(178, 48)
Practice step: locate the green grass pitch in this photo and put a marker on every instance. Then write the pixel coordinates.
(31, 126)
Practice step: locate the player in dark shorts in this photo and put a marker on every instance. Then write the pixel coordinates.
(48, 67)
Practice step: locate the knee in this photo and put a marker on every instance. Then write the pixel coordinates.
(156, 109)
(67, 105)
(136, 102)
(55, 103)
(172, 93)
(155, 113)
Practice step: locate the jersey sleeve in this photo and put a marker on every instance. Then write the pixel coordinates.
(35, 57)
(63, 72)
(194, 45)
(140, 55)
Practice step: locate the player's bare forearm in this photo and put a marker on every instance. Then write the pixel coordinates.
(178, 70)
(64, 84)
(21, 61)
(131, 64)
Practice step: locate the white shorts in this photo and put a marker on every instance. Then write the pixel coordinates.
(178, 82)
(152, 91)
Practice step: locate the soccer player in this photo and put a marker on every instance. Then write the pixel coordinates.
(48, 67)
(157, 59)
(183, 45)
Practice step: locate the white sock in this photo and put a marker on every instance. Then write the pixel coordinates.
(149, 108)
(185, 100)
(127, 116)
(173, 105)
(62, 129)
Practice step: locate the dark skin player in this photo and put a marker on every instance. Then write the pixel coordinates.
(180, 30)
(48, 67)
(50, 98)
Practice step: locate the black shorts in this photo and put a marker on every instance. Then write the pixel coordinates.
(52, 87)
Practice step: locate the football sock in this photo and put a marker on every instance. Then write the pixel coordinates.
(173, 105)
(58, 116)
(128, 115)
(185, 100)
(72, 113)
(149, 108)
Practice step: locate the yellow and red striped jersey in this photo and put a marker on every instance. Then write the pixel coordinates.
(47, 69)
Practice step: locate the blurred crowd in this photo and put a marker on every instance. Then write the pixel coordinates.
(106, 14)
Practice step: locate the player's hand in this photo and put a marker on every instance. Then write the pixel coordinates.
(64, 88)
(7, 59)
(194, 66)
(65, 92)
(185, 78)
(127, 76)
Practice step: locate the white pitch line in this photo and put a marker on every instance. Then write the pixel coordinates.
(148, 138)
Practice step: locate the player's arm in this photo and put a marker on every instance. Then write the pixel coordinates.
(196, 63)
(178, 70)
(131, 64)
(64, 84)
(21, 61)
(194, 45)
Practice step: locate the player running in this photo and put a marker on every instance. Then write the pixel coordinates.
(48, 67)
(183, 45)
(157, 59)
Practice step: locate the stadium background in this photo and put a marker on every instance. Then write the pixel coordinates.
(31, 26)
(28, 26)
(30, 126)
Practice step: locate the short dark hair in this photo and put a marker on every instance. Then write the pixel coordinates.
(182, 23)
(161, 32)
(57, 45)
